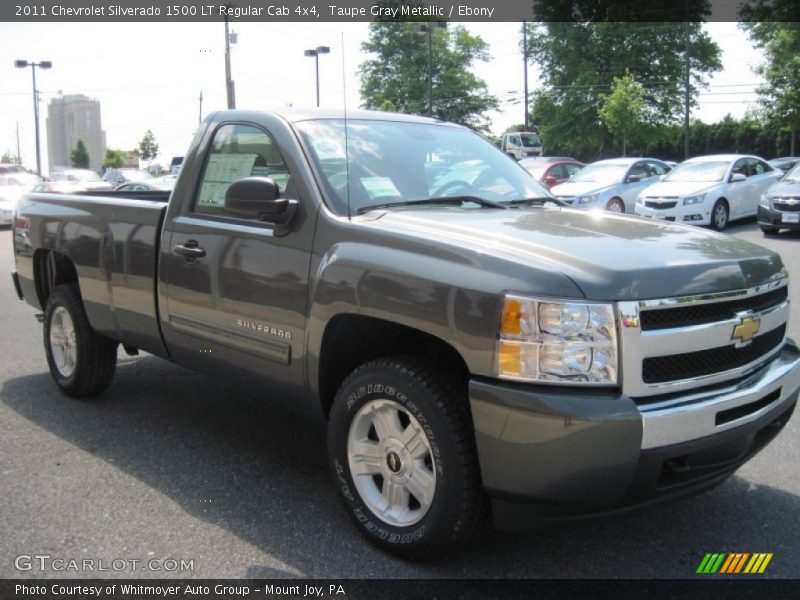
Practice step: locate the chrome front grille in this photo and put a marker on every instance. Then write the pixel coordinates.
(675, 344)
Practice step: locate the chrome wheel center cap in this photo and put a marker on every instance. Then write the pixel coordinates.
(393, 462)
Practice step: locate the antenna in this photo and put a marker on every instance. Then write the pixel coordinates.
(346, 146)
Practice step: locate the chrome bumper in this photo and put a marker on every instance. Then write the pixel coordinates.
(697, 415)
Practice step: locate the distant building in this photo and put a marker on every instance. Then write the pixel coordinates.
(70, 118)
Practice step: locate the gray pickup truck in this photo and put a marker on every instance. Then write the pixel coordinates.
(468, 338)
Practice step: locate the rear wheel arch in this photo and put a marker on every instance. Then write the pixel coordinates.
(51, 269)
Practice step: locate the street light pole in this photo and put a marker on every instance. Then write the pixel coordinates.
(428, 28)
(45, 64)
(315, 52)
(430, 71)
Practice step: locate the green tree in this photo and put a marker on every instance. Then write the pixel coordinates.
(114, 159)
(79, 155)
(9, 158)
(148, 149)
(779, 97)
(584, 44)
(623, 108)
(398, 72)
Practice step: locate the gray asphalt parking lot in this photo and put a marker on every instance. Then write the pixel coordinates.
(169, 464)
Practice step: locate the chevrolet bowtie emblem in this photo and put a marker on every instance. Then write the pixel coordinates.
(743, 333)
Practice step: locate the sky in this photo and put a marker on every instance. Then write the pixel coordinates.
(150, 75)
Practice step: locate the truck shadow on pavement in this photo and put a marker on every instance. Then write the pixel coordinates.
(257, 467)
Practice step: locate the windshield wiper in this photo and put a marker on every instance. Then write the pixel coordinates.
(537, 201)
(447, 201)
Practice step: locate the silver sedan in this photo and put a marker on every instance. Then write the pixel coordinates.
(611, 184)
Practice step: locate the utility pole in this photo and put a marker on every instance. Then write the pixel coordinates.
(229, 86)
(19, 155)
(200, 116)
(525, 59)
(686, 84)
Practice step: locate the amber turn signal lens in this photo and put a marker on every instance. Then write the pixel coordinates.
(509, 359)
(512, 313)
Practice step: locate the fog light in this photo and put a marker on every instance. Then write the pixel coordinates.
(693, 218)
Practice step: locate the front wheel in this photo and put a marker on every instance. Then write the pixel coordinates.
(402, 453)
(615, 205)
(82, 362)
(719, 215)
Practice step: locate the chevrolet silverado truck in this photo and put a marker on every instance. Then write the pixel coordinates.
(469, 338)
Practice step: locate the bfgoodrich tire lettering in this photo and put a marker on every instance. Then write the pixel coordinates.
(92, 358)
(436, 399)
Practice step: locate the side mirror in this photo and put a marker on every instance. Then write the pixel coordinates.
(633, 178)
(257, 198)
(550, 181)
(661, 177)
(737, 177)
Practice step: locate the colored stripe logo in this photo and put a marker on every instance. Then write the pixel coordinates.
(734, 562)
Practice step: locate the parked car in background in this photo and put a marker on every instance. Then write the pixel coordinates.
(521, 144)
(779, 207)
(119, 176)
(611, 184)
(709, 190)
(785, 163)
(151, 185)
(82, 178)
(13, 184)
(551, 170)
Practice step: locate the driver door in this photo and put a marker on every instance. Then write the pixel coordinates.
(236, 290)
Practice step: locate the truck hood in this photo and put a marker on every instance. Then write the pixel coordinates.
(608, 257)
(677, 188)
(579, 188)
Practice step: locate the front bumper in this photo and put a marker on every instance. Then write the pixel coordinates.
(694, 214)
(550, 455)
(768, 217)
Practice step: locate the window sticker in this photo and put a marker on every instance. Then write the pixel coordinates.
(221, 172)
(379, 186)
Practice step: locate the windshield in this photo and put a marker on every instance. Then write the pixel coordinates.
(794, 174)
(601, 173)
(529, 140)
(699, 171)
(391, 162)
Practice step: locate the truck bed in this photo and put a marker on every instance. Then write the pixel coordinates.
(112, 238)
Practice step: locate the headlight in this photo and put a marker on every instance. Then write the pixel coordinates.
(763, 201)
(548, 341)
(586, 199)
(694, 199)
(639, 200)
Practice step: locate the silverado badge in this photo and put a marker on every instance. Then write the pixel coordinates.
(745, 330)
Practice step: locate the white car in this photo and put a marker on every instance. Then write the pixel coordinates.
(708, 190)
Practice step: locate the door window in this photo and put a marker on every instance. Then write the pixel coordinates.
(656, 168)
(741, 167)
(239, 151)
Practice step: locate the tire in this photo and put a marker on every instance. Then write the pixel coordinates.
(82, 362)
(719, 215)
(437, 502)
(615, 205)
(769, 230)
